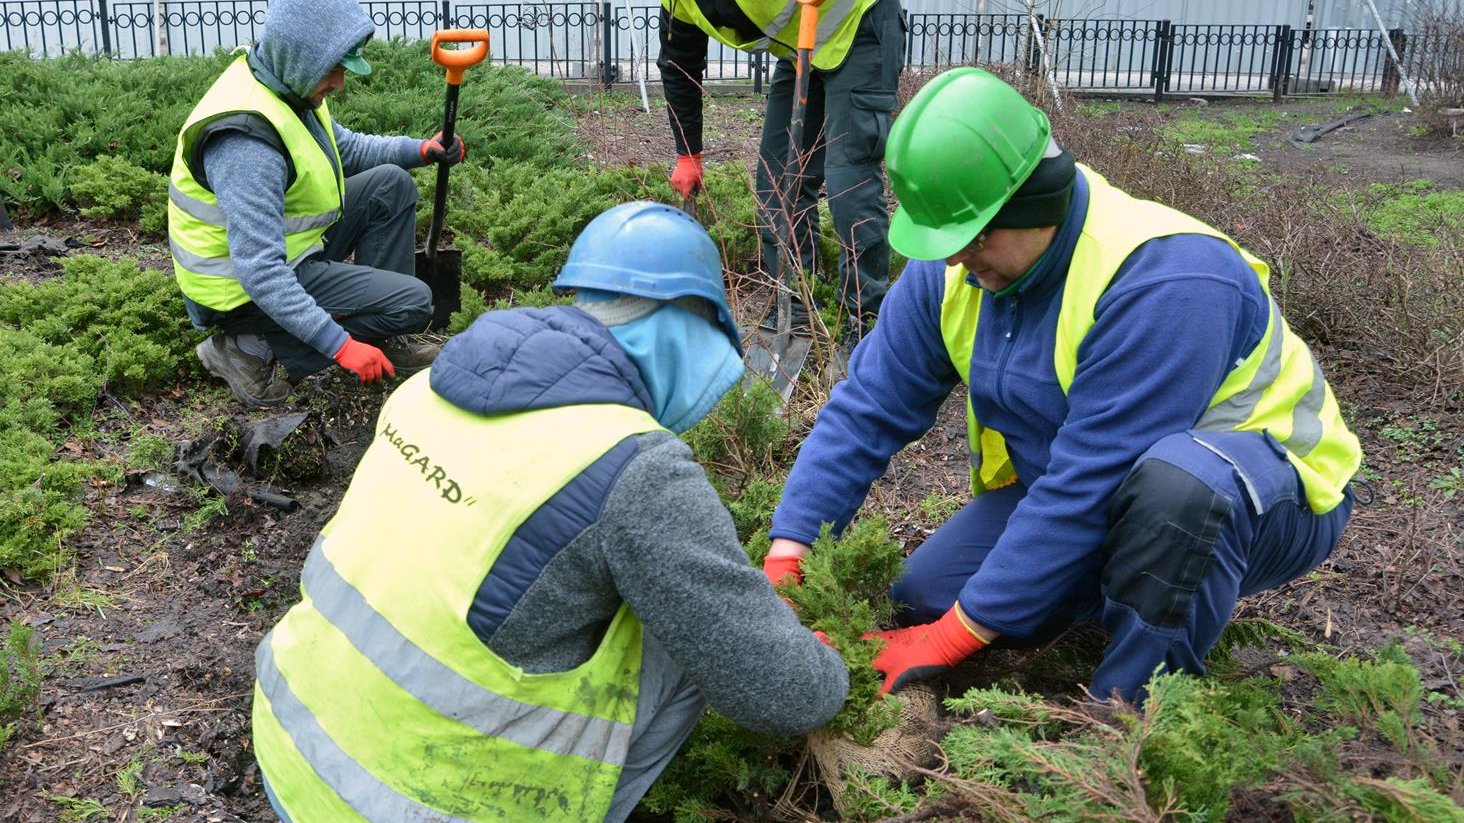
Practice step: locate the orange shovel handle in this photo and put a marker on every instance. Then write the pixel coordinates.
(808, 24)
(456, 61)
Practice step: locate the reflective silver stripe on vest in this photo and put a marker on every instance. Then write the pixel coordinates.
(208, 213)
(223, 266)
(356, 786)
(211, 214)
(771, 30)
(1306, 416)
(828, 22)
(447, 692)
(1230, 413)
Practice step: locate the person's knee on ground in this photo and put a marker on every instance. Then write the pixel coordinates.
(1161, 554)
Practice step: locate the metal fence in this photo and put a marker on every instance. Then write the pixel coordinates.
(609, 43)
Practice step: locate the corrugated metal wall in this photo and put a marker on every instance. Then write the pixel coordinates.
(1326, 13)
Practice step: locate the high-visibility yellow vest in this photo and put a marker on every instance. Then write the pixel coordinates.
(1278, 388)
(778, 22)
(196, 228)
(375, 700)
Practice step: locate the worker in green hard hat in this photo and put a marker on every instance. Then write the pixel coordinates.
(1149, 440)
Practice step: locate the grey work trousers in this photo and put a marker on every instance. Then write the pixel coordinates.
(847, 123)
(375, 297)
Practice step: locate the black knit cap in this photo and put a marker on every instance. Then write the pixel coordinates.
(1043, 199)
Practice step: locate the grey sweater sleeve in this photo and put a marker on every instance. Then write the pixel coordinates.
(248, 178)
(360, 152)
(674, 556)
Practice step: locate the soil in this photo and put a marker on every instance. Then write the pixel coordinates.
(149, 643)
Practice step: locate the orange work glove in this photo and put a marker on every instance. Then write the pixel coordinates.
(918, 652)
(434, 152)
(779, 569)
(687, 178)
(367, 361)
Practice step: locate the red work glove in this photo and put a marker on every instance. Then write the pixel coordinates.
(434, 152)
(923, 651)
(687, 178)
(367, 361)
(778, 569)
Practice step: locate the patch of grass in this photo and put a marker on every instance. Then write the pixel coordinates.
(71, 595)
(147, 451)
(1416, 213)
(211, 507)
(1225, 131)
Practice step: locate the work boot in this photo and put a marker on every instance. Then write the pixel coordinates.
(252, 379)
(409, 356)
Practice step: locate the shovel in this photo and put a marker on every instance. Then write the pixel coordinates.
(442, 269)
(778, 356)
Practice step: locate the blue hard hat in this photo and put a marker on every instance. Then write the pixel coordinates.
(649, 250)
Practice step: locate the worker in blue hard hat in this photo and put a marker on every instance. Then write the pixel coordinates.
(539, 637)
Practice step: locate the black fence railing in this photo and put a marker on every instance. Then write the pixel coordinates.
(609, 43)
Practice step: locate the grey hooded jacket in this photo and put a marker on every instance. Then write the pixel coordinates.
(642, 526)
(301, 42)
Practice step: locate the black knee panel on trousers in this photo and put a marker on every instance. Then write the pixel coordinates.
(1162, 527)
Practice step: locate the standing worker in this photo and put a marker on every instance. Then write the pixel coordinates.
(536, 640)
(856, 71)
(1149, 440)
(269, 196)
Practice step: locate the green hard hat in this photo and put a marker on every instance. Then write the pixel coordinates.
(956, 154)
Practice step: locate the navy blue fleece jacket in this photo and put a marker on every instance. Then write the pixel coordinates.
(1180, 313)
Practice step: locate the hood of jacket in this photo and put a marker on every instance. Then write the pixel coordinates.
(303, 40)
(525, 359)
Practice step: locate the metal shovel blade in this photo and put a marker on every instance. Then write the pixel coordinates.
(443, 274)
(775, 357)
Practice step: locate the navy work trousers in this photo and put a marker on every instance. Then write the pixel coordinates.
(1202, 519)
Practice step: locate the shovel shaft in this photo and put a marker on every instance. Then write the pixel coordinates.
(807, 39)
(439, 196)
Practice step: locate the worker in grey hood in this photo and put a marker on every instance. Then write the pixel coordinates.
(269, 196)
